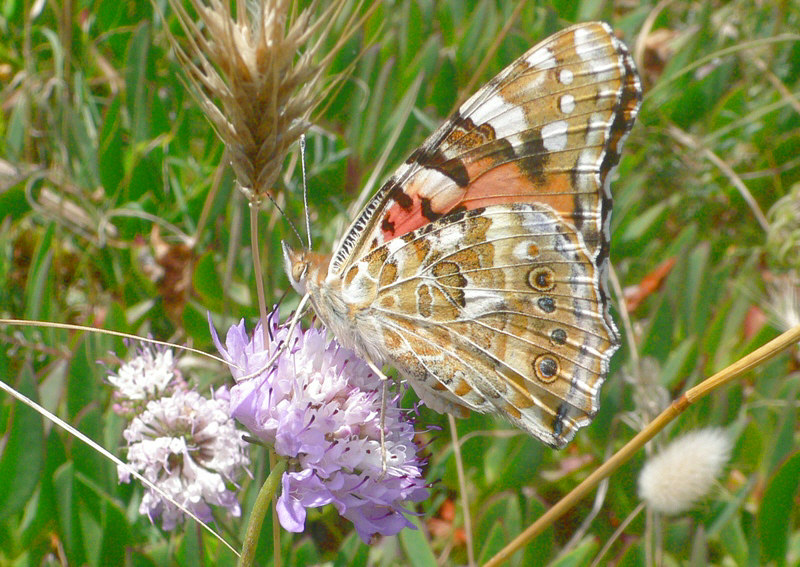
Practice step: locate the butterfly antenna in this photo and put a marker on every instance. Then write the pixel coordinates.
(286, 217)
(282, 297)
(305, 187)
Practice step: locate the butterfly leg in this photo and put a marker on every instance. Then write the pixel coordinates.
(384, 393)
(298, 314)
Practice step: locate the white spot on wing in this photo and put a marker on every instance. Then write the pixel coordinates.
(541, 59)
(591, 156)
(505, 118)
(451, 237)
(607, 224)
(437, 187)
(604, 70)
(567, 103)
(538, 221)
(394, 245)
(522, 251)
(554, 136)
(596, 131)
(479, 302)
(607, 93)
(607, 183)
(583, 43)
(565, 77)
(591, 51)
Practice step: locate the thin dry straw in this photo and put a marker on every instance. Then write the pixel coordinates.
(752, 360)
(462, 483)
(70, 327)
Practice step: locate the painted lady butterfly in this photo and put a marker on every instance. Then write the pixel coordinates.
(479, 269)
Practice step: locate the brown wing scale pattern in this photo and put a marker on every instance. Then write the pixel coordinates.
(495, 310)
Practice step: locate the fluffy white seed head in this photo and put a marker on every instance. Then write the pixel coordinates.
(672, 481)
(783, 301)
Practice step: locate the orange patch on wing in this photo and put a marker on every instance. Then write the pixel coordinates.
(403, 220)
(507, 183)
(492, 185)
(462, 388)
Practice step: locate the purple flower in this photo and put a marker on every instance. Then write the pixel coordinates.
(319, 405)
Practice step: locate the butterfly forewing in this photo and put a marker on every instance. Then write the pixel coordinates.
(478, 269)
(546, 129)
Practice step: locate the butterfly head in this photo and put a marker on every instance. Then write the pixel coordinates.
(296, 265)
(306, 269)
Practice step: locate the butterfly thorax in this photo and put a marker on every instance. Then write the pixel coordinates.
(345, 315)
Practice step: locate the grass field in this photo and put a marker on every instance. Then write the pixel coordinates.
(119, 211)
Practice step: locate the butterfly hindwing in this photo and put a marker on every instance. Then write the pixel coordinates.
(495, 310)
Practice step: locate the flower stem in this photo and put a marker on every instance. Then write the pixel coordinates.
(462, 483)
(256, 248)
(262, 506)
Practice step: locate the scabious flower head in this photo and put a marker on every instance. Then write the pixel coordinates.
(672, 481)
(189, 447)
(319, 405)
(151, 372)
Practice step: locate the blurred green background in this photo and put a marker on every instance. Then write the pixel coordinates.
(108, 166)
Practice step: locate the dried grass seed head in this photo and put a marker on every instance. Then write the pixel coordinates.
(783, 236)
(259, 74)
(783, 301)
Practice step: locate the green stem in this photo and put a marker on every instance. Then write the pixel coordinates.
(260, 510)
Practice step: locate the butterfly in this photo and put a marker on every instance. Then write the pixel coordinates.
(478, 270)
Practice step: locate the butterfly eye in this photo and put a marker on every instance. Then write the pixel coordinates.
(546, 368)
(295, 264)
(299, 270)
(542, 279)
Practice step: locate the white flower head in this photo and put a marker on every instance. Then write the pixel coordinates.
(189, 447)
(673, 480)
(148, 375)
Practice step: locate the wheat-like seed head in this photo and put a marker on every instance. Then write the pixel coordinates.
(259, 74)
